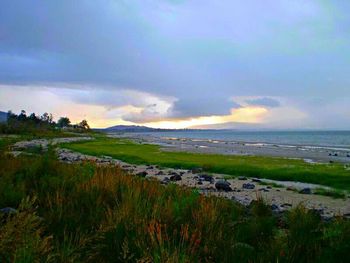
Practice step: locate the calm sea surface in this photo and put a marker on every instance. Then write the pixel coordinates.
(304, 138)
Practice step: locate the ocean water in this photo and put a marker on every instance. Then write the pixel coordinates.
(340, 139)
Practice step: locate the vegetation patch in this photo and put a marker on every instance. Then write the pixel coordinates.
(333, 175)
(85, 213)
(330, 192)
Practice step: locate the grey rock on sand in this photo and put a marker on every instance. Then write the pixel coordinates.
(142, 174)
(248, 186)
(223, 185)
(305, 191)
(175, 177)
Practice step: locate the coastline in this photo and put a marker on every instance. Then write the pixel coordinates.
(308, 153)
(280, 195)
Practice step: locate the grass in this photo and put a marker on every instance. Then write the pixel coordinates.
(330, 192)
(333, 175)
(85, 213)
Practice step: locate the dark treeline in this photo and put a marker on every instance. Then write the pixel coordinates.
(32, 123)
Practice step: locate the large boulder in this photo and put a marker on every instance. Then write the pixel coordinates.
(222, 185)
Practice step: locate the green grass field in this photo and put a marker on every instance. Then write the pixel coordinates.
(333, 175)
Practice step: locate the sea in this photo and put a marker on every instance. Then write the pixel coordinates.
(331, 139)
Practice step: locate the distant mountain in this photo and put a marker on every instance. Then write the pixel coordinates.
(136, 128)
(3, 116)
(129, 128)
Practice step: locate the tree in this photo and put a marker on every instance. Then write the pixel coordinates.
(63, 122)
(84, 124)
(22, 116)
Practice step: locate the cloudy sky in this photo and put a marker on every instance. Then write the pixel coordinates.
(272, 64)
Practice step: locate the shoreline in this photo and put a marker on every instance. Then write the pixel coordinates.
(308, 153)
(242, 189)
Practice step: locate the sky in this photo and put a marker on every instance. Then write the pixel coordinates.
(273, 64)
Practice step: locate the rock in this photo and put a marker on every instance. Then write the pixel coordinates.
(263, 190)
(142, 174)
(347, 215)
(160, 173)
(223, 185)
(248, 186)
(242, 178)
(256, 180)
(206, 178)
(305, 191)
(8, 210)
(166, 180)
(274, 207)
(175, 177)
(318, 211)
(200, 183)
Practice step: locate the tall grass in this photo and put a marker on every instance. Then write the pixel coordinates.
(84, 213)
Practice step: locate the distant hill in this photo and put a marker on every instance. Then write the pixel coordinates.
(129, 128)
(135, 128)
(3, 116)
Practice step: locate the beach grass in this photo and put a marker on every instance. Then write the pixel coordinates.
(335, 193)
(332, 175)
(86, 213)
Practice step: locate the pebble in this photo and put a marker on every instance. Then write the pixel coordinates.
(248, 186)
(305, 191)
(264, 190)
(256, 180)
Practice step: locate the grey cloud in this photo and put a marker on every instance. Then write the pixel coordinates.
(199, 52)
